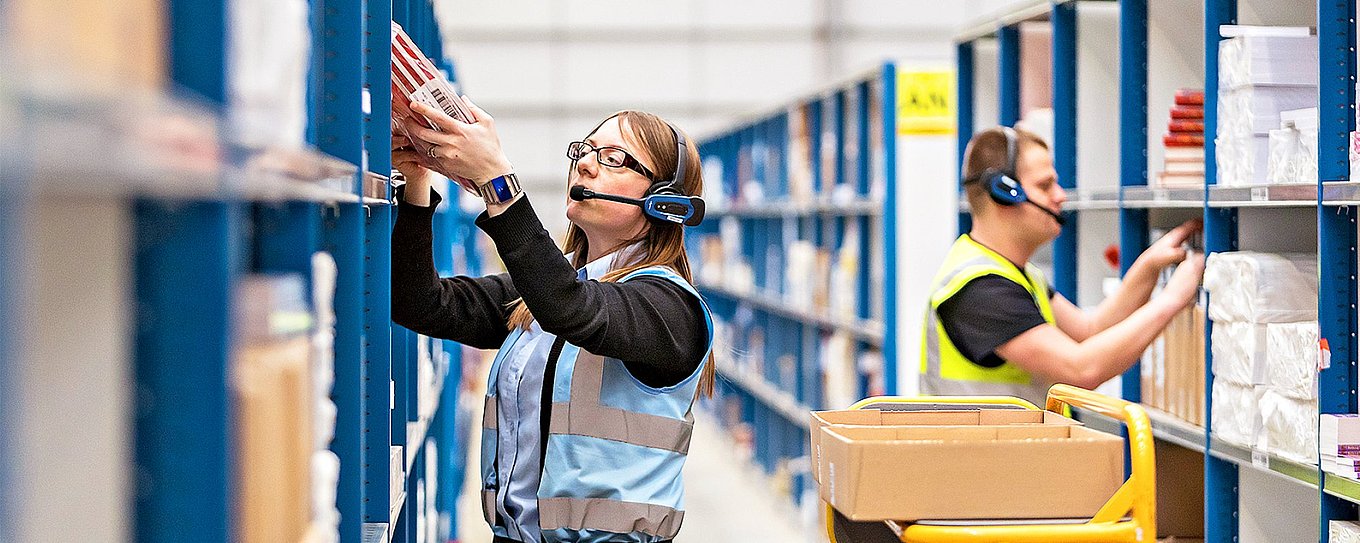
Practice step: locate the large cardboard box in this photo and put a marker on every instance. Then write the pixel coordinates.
(988, 464)
(875, 417)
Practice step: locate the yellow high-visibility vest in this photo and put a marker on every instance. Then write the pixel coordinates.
(944, 370)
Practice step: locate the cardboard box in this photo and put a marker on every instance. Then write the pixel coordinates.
(1180, 492)
(990, 464)
(874, 417)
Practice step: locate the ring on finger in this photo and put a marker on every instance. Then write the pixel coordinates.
(430, 152)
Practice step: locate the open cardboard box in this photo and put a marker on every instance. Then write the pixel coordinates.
(989, 464)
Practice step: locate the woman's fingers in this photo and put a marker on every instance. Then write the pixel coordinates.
(441, 120)
(479, 115)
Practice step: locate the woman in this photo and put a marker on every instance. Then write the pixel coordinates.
(602, 352)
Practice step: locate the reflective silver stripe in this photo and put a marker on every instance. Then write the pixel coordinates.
(489, 413)
(584, 416)
(618, 425)
(609, 515)
(489, 506)
(933, 354)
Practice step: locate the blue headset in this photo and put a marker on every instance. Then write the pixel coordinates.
(663, 202)
(1003, 186)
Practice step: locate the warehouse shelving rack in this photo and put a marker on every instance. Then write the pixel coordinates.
(201, 213)
(1152, 41)
(852, 124)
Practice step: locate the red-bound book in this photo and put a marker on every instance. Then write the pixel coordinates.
(1189, 97)
(1181, 126)
(1187, 112)
(1183, 140)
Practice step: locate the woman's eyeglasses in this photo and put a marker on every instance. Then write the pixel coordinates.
(610, 156)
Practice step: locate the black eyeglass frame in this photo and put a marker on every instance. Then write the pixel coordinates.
(627, 162)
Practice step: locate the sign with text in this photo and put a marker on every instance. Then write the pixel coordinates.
(925, 102)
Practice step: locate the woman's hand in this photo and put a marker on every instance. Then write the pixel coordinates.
(457, 149)
(1168, 251)
(406, 160)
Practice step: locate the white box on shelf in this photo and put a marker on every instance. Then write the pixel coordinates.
(1247, 286)
(1236, 413)
(1268, 60)
(1239, 349)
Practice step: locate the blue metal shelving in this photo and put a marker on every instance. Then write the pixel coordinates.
(195, 233)
(1336, 215)
(772, 397)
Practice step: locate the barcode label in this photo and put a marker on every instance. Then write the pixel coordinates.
(448, 105)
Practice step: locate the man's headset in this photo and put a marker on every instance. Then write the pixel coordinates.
(1002, 185)
(663, 202)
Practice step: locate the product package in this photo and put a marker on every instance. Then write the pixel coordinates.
(415, 78)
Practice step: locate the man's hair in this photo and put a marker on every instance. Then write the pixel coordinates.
(987, 151)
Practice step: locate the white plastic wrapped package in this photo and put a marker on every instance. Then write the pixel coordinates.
(1343, 531)
(1236, 413)
(1284, 146)
(268, 60)
(1238, 352)
(1291, 359)
(1242, 159)
(1267, 60)
(1256, 110)
(1261, 287)
(1289, 426)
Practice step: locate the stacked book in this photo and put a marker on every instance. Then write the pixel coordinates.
(1184, 141)
(1339, 444)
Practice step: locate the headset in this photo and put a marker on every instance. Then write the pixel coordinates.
(1002, 185)
(663, 202)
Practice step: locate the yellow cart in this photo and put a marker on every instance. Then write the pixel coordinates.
(1129, 515)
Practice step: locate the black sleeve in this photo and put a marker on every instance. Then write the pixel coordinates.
(985, 314)
(653, 325)
(470, 310)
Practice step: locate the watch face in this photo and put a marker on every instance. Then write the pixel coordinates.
(502, 189)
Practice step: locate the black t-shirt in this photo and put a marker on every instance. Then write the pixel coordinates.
(985, 314)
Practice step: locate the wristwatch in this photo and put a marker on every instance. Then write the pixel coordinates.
(500, 190)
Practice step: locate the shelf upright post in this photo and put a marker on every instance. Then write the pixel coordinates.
(187, 258)
(338, 124)
(186, 261)
(1336, 227)
(963, 55)
(1220, 234)
(1008, 60)
(1133, 77)
(1064, 21)
(888, 109)
(286, 235)
(13, 198)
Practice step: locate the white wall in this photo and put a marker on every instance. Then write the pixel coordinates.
(548, 71)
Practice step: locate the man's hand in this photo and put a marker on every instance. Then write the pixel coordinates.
(1183, 287)
(1168, 251)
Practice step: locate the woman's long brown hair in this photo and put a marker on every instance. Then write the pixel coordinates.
(663, 244)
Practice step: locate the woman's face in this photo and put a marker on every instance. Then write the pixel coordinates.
(614, 219)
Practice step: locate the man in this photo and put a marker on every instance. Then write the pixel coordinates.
(996, 327)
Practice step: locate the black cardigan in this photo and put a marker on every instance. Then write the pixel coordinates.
(653, 325)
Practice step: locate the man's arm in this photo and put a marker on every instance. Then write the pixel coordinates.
(1048, 352)
(1134, 290)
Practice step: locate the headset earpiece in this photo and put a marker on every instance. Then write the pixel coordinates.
(1002, 185)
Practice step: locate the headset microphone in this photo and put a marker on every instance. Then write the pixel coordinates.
(1061, 220)
(676, 208)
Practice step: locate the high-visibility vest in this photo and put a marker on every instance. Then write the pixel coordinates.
(945, 371)
(615, 446)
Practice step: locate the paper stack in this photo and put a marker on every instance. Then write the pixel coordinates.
(1173, 369)
(1265, 351)
(1343, 531)
(1263, 71)
(1184, 141)
(1339, 443)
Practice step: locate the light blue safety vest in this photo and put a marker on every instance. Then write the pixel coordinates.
(612, 470)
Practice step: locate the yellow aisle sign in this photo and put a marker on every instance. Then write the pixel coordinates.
(925, 102)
